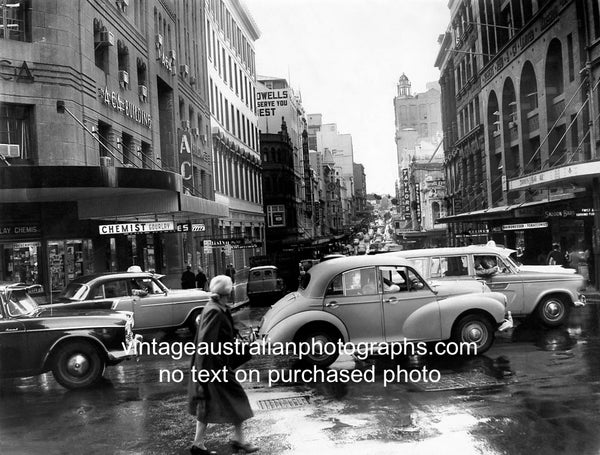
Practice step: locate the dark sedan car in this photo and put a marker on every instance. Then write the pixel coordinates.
(75, 345)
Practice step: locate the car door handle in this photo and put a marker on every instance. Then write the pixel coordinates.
(392, 300)
(332, 305)
(11, 329)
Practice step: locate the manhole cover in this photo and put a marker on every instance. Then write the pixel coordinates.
(283, 403)
(460, 381)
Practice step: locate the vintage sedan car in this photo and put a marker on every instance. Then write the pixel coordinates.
(546, 292)
(153, 305)
(264, 284)
(377, 299)
(75, 345)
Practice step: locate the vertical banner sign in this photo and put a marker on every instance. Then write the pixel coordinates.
(405, 194)
(185, 162)
(418, 204)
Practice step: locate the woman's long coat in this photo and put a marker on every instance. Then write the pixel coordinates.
(218, 401)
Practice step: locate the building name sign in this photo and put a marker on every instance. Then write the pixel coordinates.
(521, 226)
(553, 175)
(568, 213)
(128, 109)
(406, 194)
(22, 73)
(522, 42)
(267, 102)
(136, 228)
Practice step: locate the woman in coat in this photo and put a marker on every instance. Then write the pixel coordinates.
(217, 401)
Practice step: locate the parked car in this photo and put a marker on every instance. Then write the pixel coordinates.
(264, 284)
(75, 345)
(154, 305)
(382, 299)
(542, 291)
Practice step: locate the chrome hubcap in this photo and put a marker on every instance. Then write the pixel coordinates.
(553, 310)
(78, 365)
(475, 333)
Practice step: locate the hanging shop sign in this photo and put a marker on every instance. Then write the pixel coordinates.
(418, 203)
(406, 194)
(185, 161)
(127, 108)
(136, 228)
(521, 226)
(233, 243)
(190, 227)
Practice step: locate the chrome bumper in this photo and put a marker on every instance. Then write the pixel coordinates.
(506, 324)
(581, 302)
(131, 349)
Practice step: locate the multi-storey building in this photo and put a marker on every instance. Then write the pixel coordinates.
(105, 152)
(276, 101)
(230, 35)
(519, 94)
(360, 195)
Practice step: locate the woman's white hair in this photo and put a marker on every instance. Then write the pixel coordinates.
(221, 285)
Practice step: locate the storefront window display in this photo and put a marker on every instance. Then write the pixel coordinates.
(20, 262)
(68, 259)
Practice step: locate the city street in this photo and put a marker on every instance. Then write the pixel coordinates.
(535, 391)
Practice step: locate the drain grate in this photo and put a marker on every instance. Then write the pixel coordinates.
(283, 403)
(460, 381)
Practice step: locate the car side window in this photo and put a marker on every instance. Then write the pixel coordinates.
(268, 274)
(335, 287)
(393, 279)
(97, 292)
(154, 287)
(452, 266)
(116, 288)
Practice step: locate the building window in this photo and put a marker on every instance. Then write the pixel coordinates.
(146, 156)
(123, 60)
(103, 40)
(127, 146)
(15, 20)
(16, 121)
(276, 215)
(570, 55)
(104, 132)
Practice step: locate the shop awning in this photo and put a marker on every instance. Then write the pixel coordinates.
(492, 213)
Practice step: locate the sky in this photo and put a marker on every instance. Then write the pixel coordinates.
(345, 58)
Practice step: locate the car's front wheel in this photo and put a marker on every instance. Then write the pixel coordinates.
(77, 364)
(193, 321)
(322, 346)
(553, 311)
(474, 328)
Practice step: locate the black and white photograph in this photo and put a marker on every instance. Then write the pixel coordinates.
(294, 227)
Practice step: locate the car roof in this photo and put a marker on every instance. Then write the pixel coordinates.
(263, 267)
(85, 279)
(471, 249)
(322, 273)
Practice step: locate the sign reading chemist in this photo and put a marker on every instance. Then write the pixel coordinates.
(136, 228)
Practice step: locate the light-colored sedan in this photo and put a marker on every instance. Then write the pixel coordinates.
(154, 306)
(378, 299)
(546, 292)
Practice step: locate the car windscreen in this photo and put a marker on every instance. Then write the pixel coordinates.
(20, 303)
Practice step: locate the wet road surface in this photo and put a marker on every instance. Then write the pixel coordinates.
(535, 391)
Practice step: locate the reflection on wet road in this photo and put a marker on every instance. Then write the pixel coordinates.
(535, 391)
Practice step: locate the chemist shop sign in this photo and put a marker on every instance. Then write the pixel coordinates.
(136, 228)
(19, 231)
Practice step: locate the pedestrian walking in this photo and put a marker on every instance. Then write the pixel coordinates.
(201, 279)
(188, 279)
(217, 401)
(230, 272)
(555, 257)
